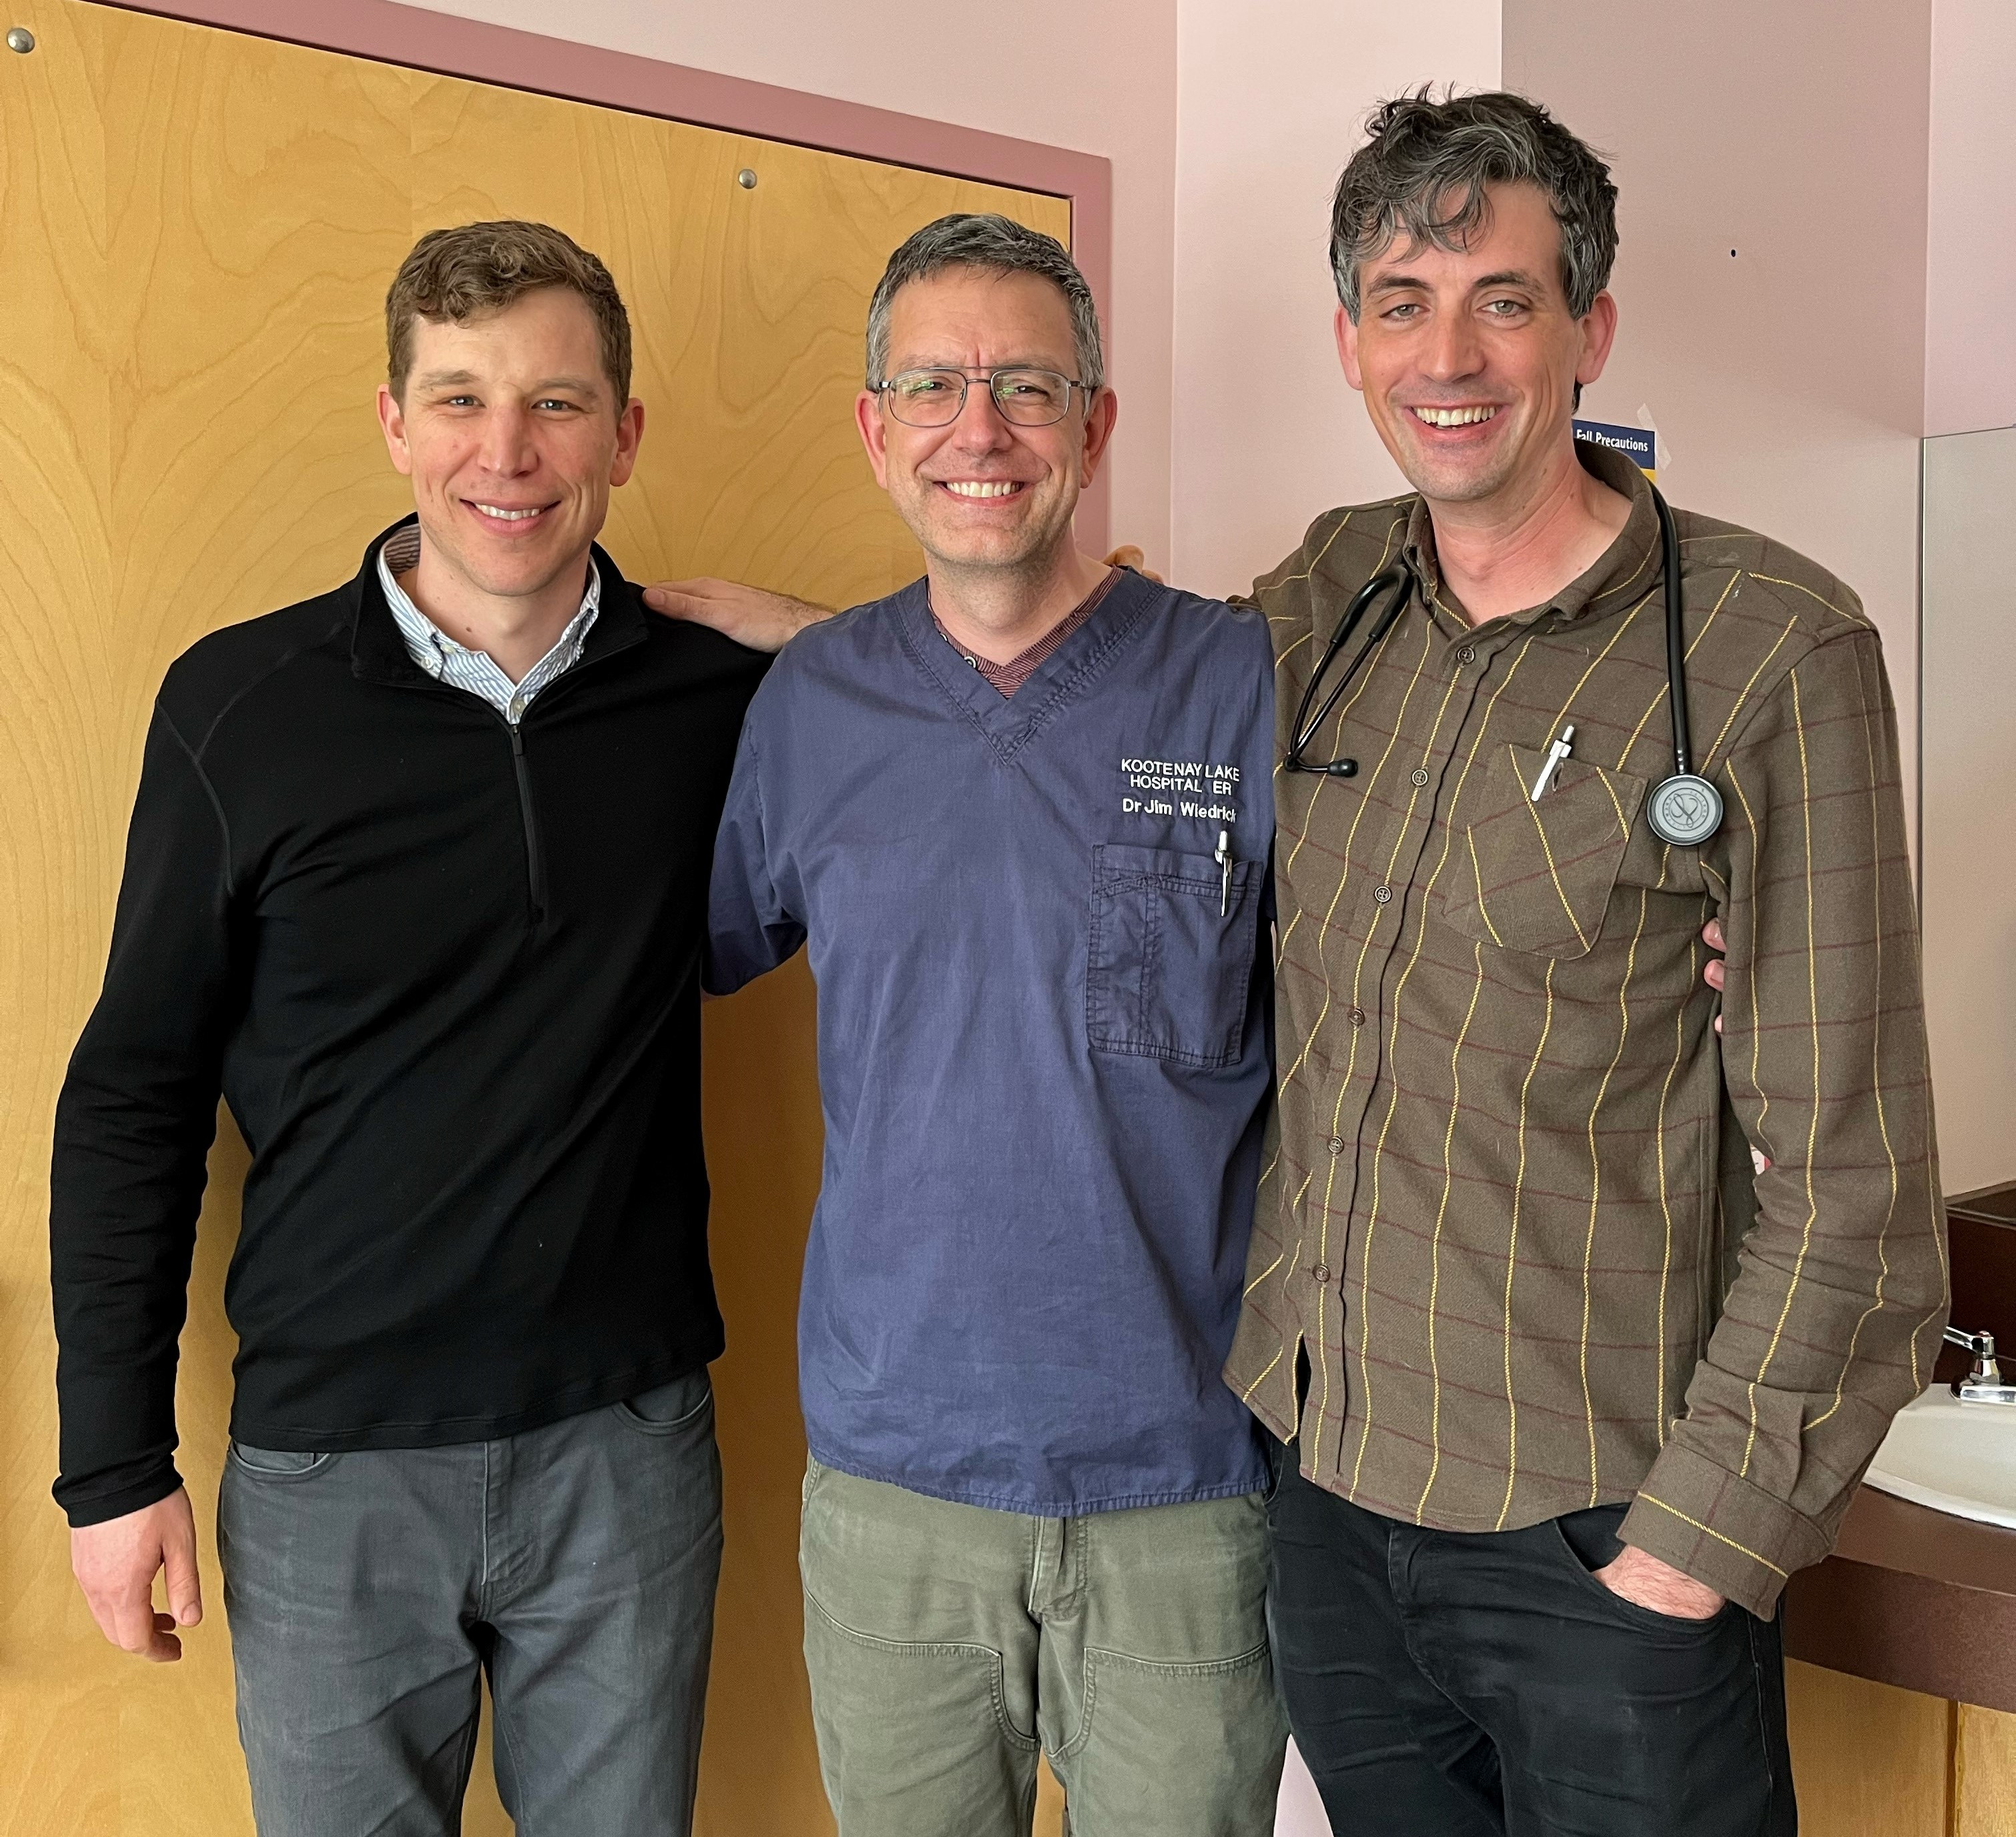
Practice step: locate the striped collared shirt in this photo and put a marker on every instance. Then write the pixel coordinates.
(476, 670)
(1508, 1207)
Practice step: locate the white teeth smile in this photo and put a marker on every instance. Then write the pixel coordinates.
(982, 488)
(510, 516)
(1453, 417)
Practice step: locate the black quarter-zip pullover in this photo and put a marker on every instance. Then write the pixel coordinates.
(443, 970)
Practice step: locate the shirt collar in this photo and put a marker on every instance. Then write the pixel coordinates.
(1629, 567)
(428, 645)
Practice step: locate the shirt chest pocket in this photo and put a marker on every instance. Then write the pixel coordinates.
(1538, 876)
(1170, 954)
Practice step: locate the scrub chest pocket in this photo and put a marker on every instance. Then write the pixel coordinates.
(1171, 955)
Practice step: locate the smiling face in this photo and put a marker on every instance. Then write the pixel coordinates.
(1468, 359)
(511, 432)
(982, 493)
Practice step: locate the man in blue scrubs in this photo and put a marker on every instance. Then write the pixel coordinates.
(1021, 815)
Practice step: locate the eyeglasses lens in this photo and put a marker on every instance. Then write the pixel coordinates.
(934, 398)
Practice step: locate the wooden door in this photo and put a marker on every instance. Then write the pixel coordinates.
(196, 231)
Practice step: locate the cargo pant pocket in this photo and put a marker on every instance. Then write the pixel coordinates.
(914, 1736)
(1176, 1750)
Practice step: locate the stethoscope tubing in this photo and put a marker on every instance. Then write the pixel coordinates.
(1398, 577)
(1676, 638)
(1683, 810)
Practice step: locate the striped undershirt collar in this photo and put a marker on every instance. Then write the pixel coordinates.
(477, 671)
(1009, 677)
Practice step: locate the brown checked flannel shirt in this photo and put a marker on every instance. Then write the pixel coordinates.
(1508, 1204)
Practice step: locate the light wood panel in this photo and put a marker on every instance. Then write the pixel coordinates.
(1867, 1760)
(1984, 1783)
(196, 229)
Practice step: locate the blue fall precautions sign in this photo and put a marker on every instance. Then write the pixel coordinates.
(1636, 443)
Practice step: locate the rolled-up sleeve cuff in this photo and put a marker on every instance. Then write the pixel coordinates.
(1721, 1530)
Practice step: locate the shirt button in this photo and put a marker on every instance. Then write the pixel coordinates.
(1319, 1274)
(1335, 1144)
(1382, 893)
(1357, 1017)
(1419, 776)
(1468, 654)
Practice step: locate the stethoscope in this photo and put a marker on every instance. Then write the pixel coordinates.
(1684, 809)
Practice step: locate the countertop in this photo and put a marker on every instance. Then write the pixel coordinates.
(1913, 1597)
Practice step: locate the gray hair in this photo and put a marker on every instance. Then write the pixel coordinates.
(1423, 171)
(986, 240)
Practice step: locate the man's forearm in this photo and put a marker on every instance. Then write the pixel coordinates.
(752, 617)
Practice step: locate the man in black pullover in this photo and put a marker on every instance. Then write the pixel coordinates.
(416, 880)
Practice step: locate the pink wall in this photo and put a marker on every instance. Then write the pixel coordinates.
(1971, 259)
(1271, 100)
(1098, 78)
(1787, 378)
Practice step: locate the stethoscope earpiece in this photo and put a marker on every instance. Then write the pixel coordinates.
(1399, 581)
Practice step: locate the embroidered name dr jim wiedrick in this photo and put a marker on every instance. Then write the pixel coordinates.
(1196, 788)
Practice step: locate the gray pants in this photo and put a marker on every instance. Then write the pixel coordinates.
(574, 1564)
(947, 1643)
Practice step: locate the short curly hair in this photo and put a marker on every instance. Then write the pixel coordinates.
(478, 269)
(1424, 171)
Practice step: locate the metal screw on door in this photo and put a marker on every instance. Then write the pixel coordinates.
(20, 38)
(747, 178)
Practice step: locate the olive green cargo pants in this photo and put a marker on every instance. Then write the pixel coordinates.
(946, 1643)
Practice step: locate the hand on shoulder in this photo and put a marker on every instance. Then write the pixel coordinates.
(1129, 555)
(752, 616)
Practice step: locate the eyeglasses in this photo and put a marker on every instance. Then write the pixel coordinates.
(936, 398)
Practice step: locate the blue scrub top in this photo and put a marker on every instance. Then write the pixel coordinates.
(1044, 1040)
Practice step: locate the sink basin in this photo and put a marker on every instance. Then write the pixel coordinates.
(1956, 1457)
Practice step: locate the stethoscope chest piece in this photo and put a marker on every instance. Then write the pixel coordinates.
(1685, 809)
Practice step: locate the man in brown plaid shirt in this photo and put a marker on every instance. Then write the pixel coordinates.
(1572, 1388)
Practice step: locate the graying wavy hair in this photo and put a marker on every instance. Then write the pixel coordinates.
(1423, 171)
(984, 239)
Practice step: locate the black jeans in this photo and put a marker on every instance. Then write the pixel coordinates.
(1486, 1684)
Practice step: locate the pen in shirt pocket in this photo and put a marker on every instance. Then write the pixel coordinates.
(1556, 753)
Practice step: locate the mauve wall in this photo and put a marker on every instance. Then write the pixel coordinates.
(1272, 102)
(1971, 259)
(1099, 78)
(1787, 378)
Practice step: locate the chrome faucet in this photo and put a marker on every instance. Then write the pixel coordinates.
(1984, 1384)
